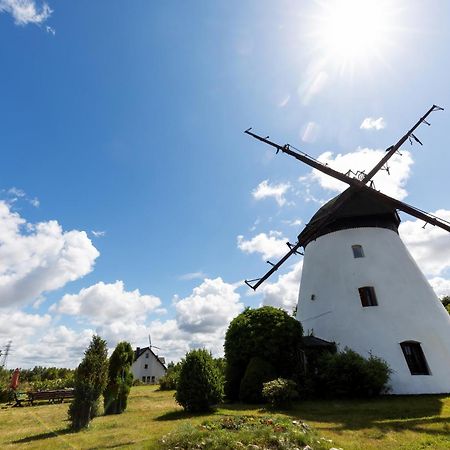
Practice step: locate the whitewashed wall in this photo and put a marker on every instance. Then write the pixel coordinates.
(408, 309)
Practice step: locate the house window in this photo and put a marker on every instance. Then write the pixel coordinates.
(148, 379)
(143, 379)
(145, 366)
(146, 355)
(153, 379)
(358, 251)
(415, 358)
(367, 295)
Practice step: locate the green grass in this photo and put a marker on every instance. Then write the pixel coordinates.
(412, 423)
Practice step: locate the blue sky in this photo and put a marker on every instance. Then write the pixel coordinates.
(126, 119)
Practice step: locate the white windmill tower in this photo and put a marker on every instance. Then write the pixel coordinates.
(360, 286)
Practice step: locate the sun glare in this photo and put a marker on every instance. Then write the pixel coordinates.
(352, 32)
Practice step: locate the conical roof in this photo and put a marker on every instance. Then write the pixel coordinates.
(359, 210)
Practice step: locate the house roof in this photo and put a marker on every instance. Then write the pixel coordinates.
(313, 341)
(140, 351)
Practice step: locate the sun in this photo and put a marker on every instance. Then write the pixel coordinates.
(353, 32)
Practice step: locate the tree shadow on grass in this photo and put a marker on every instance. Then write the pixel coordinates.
(390, 413)
(181, 414)
(47, 435)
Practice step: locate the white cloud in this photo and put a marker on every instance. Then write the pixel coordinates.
(370, 123)
(192, 276)
(365, 159)
(98, 233)
(104, 303)
(283, 293)
(209, 308)
(270, 246)
(430, 247)
(26, 11)
(267, 190)
(35, 258)
(441, 286)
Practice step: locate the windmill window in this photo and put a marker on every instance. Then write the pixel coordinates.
(367, 296)
(415, 358)
(358, 251)
(146, 366)
(146, 355)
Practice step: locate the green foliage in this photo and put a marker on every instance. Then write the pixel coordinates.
(280, 393)
(269, 333)
(5, 378)
(258, 372)
(348, 374)
(446, 302)
(169, 381)
(120, 379)
(233, 432)
(200, 385)
(90, 382)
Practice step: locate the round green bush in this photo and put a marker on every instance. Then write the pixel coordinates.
(348, 374)
(200, 384)
(269, 333)
(258, 372)
(280, 393)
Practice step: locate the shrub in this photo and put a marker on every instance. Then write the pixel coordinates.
(348, 374)
(280, 393)
(258, 372)
(168, 382)
(269, 333)
(120, 379)
(199, 385)
(245, 432)
(90, 382)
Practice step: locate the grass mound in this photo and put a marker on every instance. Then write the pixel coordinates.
(246, 432)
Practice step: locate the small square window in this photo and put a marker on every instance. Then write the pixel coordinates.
(415, 358)
(367, 296)
(146, 366)
(358, 251)
(146, 355)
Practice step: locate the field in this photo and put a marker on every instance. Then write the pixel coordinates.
(387, 423)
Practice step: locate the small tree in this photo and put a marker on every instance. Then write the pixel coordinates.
(280, 393)
(169, 380)
(200, 384)
(269, 333)
(90, 382)
(258, 371)
(120, 379)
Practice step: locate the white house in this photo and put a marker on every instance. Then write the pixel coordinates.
(147, 366)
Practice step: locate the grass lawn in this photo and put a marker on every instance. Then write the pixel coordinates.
(387, 423)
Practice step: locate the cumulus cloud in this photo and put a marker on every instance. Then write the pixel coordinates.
(272, 245)
(114, 311)
(267, 190)
(430, 246)
(440, 285)
(365, 159)
(26, 11)
(370, 123)
(283, 293)
(35, 258)
(209, 308)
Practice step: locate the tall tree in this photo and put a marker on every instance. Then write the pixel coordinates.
(120, 379)
(90, 382)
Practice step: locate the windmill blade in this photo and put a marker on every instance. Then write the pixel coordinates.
(408, 209)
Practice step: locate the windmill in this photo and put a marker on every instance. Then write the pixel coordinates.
(360, 287)
(150, 346)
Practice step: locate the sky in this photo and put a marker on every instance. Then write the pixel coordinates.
(131, 201)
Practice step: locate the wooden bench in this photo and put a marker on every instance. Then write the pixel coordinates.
(53, 396)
